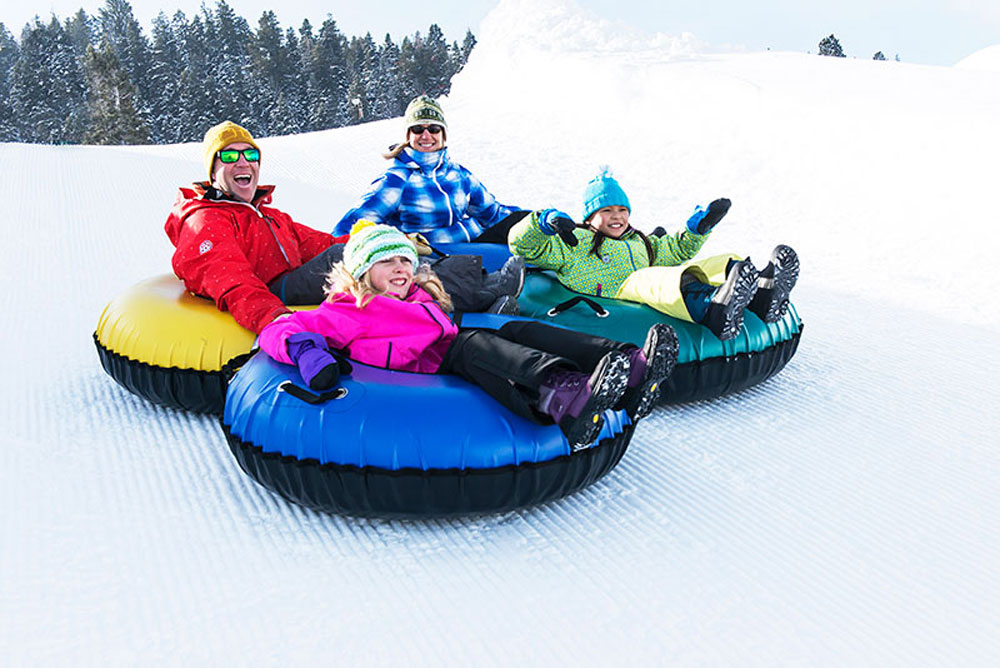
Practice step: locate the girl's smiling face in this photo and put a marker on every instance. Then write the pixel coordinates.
(611, 221)
(393, 275)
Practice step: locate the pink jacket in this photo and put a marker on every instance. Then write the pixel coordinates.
(410, 335)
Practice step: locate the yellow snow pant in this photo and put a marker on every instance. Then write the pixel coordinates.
(660, 287)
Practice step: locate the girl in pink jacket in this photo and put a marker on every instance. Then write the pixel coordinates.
(380, 313)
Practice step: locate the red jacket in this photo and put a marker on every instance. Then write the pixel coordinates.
(230, 251)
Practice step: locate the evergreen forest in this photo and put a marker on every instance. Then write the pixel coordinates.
(101, 80)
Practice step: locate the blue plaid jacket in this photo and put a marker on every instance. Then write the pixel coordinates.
(430, 194)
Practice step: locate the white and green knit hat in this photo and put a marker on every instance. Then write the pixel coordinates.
(370, 243)
(424, 110)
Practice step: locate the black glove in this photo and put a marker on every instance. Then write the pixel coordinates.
(702, 221)
(553, 221)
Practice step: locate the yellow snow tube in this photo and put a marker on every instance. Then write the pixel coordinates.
(168, 346)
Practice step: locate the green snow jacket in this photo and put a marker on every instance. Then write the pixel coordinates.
(580, 270)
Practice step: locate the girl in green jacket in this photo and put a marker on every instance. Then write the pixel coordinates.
(609, 258)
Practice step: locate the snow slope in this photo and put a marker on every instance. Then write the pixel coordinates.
(844, 512)
(987, 59)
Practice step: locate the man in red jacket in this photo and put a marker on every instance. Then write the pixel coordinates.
(237, 250)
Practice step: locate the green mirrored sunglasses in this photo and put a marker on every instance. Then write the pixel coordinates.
(232, 155)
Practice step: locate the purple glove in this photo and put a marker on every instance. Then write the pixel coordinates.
(317, 366)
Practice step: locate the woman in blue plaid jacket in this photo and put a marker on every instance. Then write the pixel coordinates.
(424, 191)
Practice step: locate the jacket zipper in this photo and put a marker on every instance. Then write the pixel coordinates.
(436, 321)
(451, 215)
(268, 221)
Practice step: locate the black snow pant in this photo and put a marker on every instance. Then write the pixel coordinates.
(511, 363)
(461, 275)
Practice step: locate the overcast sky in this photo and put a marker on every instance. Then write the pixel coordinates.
(933, 32)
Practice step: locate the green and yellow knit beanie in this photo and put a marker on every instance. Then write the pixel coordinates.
(370, 243)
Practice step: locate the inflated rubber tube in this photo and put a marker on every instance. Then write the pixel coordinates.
(706, 367)
(168, 346)
(402, 444)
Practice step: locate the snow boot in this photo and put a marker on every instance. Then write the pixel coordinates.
(649, 366)
(576, 401)
(725, 311)
(508, 280)
(775, 283)
(505, 305)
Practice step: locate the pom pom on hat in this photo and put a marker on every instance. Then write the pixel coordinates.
(603, 190)
(219, 137)
(370, 243)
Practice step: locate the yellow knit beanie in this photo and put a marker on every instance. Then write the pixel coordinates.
(221, 136)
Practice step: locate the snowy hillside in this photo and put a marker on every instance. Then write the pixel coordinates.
(843, 513)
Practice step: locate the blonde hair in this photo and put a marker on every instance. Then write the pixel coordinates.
(395, 150)
(340, 280)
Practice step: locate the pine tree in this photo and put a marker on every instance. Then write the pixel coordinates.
(830, 46)
(9, 54)
(328, 79)
(269, 60)
(290, 114)
(230, 54)
(306, 56)
(48, 90)
(363, 89)
(407, 68)
(81, 30)
(467, 45)
(114, 118)
(168, 60)
(435, 64)
(119, 26)
(198, 92)
(389, 101)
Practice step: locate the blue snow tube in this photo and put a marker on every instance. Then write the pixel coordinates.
(404, 444)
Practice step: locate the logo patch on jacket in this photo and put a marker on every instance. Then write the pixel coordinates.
(205, 246)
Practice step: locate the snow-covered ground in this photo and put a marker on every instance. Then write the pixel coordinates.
(843, 513)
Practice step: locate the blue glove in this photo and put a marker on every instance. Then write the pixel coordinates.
(554, 221)
(703, 220)
(319, 369)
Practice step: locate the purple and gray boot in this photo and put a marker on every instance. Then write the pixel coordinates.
(649, 366)
(576, 401)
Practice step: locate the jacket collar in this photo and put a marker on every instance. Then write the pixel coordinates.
(426, 162)
(206, 191)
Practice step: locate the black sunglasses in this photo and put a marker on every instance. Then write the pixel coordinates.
(419, 129)
(232, 155)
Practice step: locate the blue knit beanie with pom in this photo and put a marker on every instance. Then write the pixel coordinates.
(603, 190)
